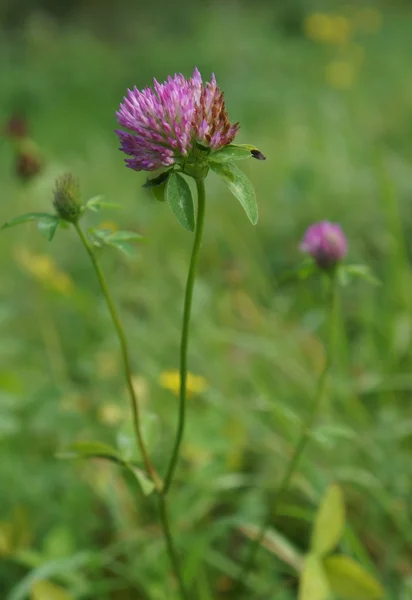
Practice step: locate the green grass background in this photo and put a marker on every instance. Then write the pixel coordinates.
(343, 155)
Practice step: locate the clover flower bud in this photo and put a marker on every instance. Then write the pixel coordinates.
(67, 199)
(326, 243)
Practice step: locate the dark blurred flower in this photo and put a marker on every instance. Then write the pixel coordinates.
(28, 162)
(168, 120)
(326, 243)
(16, 126)
(67, 198)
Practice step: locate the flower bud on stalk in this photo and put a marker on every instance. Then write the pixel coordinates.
(67, 199)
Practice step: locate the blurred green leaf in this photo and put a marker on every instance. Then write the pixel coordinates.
(58, 567)
(48, 226)
(121, 236)
(96, 203)
(240, 186)
(90, 450)
(35, 216)
(360, 271)
(118, 239)
(313, 584)
(179, 198)
(329, 522)
(59, 542)
(146, 484)
(350, 581)
(46, 590)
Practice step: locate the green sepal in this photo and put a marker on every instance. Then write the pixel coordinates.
(179, 198)
(240, 186)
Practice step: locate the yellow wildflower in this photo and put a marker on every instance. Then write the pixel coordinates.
(170, 380)
(44, 270)
(340, 74)
(328, 28)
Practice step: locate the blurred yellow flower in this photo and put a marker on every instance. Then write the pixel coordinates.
(109, 225)
(43, 268)
(328, 28)
(368, 20)
(111, 413)
(170, 380)
(340, 74)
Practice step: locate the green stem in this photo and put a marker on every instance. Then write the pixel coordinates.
(135, 411)
(201, 197)
(302, 442)
(125, 355)
(164, 517)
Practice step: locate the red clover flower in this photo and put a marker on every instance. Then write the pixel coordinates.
(167, 121)
(326, 243)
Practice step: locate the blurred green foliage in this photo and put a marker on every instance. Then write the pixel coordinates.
(331, 108)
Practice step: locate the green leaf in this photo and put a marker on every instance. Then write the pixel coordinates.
(124, 247)
(36, 216)
(157, 181)
(146, 484)
(118, 239)
(48, 226)
(46, 590)
(240, 186)
(123, 236)
(179, 198)
(360, 271)
(313, 584)
(229, 153)
(349, 581)
(91, 450)
(329, 521)
(96, 203)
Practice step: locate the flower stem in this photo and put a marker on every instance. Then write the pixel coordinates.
(303, 439)
(164, 517)
(201, 197)
(135, 411)
(125, 355)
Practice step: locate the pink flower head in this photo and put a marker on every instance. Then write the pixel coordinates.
(326, 243)
(167, 120)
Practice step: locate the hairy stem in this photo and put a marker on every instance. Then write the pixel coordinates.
(201, 197)
(302, 441)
